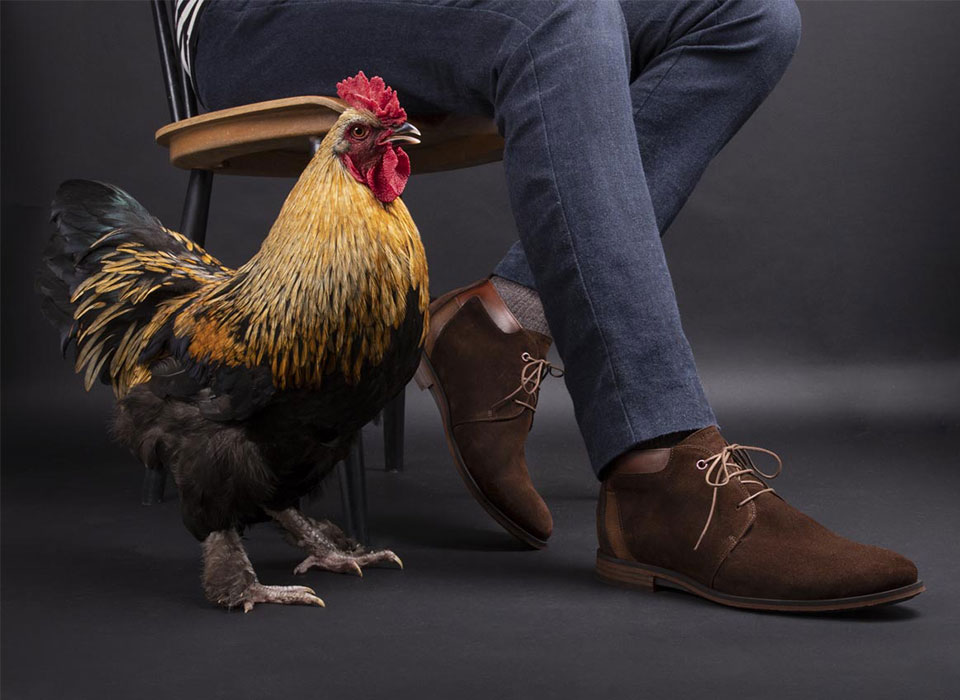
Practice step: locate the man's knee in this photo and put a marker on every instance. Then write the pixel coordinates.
(782, 26)
(575, 26)
(774, 26)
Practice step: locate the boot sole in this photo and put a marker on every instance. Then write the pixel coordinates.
(426, 378)
(649, 578)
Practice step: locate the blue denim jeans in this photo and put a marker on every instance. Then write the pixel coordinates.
(610, 112)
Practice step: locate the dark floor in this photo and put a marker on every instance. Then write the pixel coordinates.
(101, 597)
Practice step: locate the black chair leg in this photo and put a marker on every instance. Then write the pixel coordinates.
(154, 483)
(393, 419)
(353, 491)
(196, 206)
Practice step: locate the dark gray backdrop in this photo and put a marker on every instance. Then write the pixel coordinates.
(817, 270)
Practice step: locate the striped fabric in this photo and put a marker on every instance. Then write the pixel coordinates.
(185, 17)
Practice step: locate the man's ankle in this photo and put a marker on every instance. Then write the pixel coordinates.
(524, 303)
(666, 440)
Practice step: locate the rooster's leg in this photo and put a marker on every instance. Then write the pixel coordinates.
(326, 545)
(229, 579)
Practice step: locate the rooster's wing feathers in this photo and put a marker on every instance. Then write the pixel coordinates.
(115, 279)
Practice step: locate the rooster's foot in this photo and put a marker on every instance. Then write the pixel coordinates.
(347, 562)
(327, 546)
(285, 595)
(229, 579)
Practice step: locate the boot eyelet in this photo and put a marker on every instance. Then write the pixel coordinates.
(701, 464)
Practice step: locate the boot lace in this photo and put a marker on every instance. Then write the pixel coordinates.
(534, 371)
(721, 468)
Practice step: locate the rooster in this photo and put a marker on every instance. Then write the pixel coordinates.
(249, 385)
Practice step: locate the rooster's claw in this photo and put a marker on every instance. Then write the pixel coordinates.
(346, 562)
(286, 595)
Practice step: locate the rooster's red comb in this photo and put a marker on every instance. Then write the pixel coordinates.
(373, 95)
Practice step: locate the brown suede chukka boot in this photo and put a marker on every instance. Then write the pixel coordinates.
(484, 371)
(699, 517)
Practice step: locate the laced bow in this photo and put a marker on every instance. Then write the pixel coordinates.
(534, 371)
(721, 468)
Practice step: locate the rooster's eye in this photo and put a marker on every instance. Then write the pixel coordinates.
(359, 131)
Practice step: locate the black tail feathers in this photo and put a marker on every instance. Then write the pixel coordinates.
(83, 211)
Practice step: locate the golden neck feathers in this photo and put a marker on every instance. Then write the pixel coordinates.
(325, 292)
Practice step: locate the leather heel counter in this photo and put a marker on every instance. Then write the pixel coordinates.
(602, 543)
(443, 310)
(609, 529)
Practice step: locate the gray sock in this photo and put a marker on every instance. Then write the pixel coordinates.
(524, 303)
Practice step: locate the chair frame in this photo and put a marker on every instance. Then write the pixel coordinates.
(182, 104)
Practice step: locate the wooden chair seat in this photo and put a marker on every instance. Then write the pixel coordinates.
(273, 138)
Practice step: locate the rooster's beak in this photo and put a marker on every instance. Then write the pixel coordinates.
(406, 132)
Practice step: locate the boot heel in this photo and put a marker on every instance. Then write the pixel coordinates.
(423, 377)
(624, 573)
